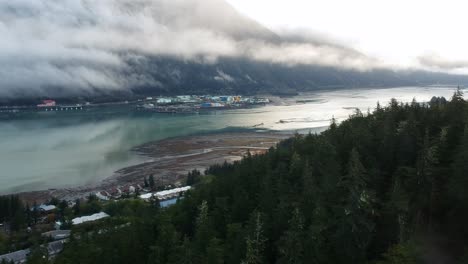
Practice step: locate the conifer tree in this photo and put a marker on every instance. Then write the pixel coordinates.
(292, 242)
(145, 183)
(203, 232)
(255, 241)
(151, 182)
(459, 181)
(355, 224)
(215, 252)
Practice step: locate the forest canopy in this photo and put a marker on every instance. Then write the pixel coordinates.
(388, 186)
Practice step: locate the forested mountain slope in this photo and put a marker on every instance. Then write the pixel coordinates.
(384, 187)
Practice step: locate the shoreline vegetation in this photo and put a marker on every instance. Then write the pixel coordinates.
(381, 188)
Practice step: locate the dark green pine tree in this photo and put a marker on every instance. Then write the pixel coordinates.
(316, 246)
(215, 252)
(310, 191)
(397, 208)
(29, 219)
(457, 190)
(193, 177)
(459, 182)
(151, 182)
(355, 222)
(255, 242)
(291, 246)
(295, 170)
(234, 243)
(38, 255)
(186, 252)
(425, 190)
(165, 249)
(145, 183)
(203, 233)
(77, 207)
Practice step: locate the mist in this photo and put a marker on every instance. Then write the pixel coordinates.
(436, 62)
(77, 47)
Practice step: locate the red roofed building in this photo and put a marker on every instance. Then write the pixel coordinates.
(46, 103)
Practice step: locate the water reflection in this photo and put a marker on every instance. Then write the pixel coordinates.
(59, 150)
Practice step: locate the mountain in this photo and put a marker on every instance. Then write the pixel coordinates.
(242, 76)
(115, 48)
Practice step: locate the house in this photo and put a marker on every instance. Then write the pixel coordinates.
(45, 208)
(148, 106)
(102, 196)
(71, 203)
(186, 99)
(55, 247)
(19, 256)
(262, 100)
(128, 189)
(167, 194)
(115, 193)
(146, 196)
(89, 218)
(57, 234)
(58, 225)
(213, 105)
(47, 103)
(164, 100)
(227, 99)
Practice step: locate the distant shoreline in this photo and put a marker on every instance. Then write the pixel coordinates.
(311, 112)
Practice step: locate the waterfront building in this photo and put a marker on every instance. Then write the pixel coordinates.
(47, 103)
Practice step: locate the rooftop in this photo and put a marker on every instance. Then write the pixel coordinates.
(89, 218)
(57, 234)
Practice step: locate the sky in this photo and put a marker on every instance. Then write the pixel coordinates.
(79, 46)
(401, 32)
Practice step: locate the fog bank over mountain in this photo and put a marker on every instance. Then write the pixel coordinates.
(72, 47)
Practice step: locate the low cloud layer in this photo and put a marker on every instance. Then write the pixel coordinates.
(436, 62)
(73, 46)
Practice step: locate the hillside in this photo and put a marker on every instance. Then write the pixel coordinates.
(387, 187)
(243, 76)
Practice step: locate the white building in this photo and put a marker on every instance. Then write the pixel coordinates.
(46, 208)
(166, 194)
(184, 97)
(146, 196)
(263, 100)
(164, 101)
(148, 106)
(102, 196)
(89, 218)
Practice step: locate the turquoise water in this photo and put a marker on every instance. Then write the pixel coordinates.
(57, 150)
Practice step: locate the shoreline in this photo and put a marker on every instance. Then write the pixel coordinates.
(169, 160)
